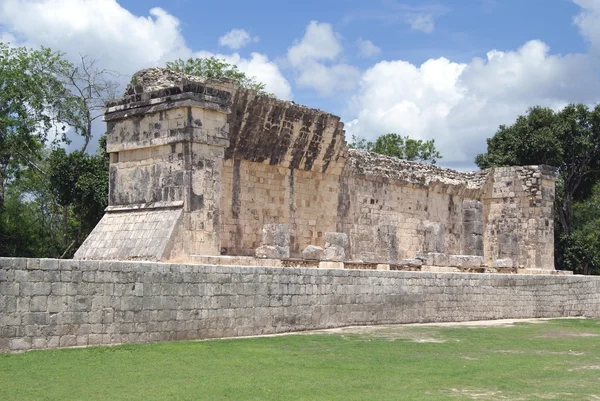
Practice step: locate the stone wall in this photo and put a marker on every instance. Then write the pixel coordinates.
(50, 303)
(232, 162)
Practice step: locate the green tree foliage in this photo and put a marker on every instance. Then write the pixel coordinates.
(570, 140)
(401, 147)
(34, 103)
(214, 68)
(79, 181)
(48, 198)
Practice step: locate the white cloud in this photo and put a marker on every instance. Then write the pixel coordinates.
(120, 40)
(366, 48)
(320, 42)
(99, 28)
(459, 105)
(588, 21)
(422, 22)
(236, 39)
(313, 58)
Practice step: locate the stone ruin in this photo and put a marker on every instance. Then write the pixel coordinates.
(207, 172)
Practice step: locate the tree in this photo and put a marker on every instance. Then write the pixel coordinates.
(34, 103)
(569, 140)
(214, 68)
(92, 87)
(48, 198)
(405, 148)
(80, 184)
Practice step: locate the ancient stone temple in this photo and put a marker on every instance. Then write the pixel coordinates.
(206, 171)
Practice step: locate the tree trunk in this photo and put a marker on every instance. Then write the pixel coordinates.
(65, 224)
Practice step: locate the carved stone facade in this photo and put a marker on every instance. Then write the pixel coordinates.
(202, 169)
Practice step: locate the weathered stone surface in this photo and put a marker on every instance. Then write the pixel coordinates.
(143, 301)
(410, 262)
(472, 227)
(465, 261)
(334, 253)
(336, 239)
(237, 160)
(276, 235)
(273, 252)
(132, 234)
(503, 263)
(312, 252)
(434, 237)
(433, 258)
(331, 265)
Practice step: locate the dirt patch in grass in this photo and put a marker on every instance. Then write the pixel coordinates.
(390, 332)
(591, 367)
(567, 334)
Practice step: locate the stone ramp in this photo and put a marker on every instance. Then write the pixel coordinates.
(132, 234)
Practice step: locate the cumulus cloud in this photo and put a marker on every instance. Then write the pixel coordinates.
(313, 58)
(422, 22)
(366, 48)
(237, 38)
(118, 39)
(588, 22)
(458, 104)
(99, 28)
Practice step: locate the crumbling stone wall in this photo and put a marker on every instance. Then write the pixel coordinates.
(233, 162)
(50, 303)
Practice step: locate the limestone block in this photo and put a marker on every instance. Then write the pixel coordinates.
(273, 252)
(334, 253)
(276, 235)
(433, 258)
(383, 266)
(465, 261)
(410, 262)
(337, 239)
(336, 245)
(312, 252)
(434, 237)
(503, 263)
(331, 265)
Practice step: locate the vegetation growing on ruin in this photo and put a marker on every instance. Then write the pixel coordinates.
(570, 140)
(214, 68)
(547, 360)
(402, 147)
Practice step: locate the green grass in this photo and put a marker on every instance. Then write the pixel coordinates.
(559, 360)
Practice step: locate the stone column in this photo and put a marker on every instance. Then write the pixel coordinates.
(166, 149)
(518, 215)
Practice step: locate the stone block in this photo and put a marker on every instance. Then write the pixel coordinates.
(465, 261)
(337, 239)
(383, 266)
(410, 262)
(334, 253)
(312, 252)
(331, 265)
(434, 237)
(503, 263)
(433, 258)
(273, 252)
(276, 235)
(20, 344)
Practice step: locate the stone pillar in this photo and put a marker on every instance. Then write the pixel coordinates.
(166, 150)
(518, 211)
(275, 242)
(472, 212)
(434, 237)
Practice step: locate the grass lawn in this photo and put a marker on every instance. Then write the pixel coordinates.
(558, 359)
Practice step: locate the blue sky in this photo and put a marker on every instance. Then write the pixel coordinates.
(445, 70)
